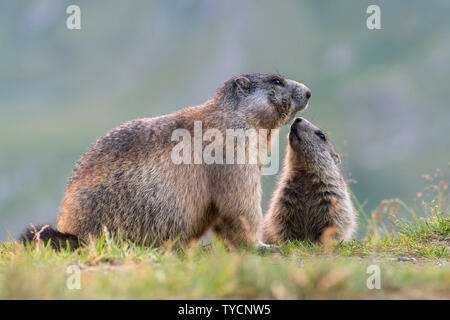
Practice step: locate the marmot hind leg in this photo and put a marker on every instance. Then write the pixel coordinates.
(235, 232)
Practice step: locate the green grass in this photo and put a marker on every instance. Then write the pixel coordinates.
(413, 259)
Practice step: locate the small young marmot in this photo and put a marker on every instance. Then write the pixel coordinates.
(312, 196)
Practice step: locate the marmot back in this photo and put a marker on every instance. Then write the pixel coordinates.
(312, 196)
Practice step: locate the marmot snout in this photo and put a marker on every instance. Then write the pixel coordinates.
(312, 195)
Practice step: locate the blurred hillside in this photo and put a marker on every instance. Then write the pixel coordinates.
(382, 94)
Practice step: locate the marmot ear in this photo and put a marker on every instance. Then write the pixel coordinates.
(242, 85)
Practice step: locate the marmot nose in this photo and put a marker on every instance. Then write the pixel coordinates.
(308, 94)
(297, 120)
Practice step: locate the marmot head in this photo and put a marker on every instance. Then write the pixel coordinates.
(310, 148)
(264, 101)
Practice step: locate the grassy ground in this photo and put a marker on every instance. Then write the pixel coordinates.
(412, 256)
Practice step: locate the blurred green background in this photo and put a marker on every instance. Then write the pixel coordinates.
(382, 94)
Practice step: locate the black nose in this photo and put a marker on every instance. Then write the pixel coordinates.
(297, 120)
(308, 94)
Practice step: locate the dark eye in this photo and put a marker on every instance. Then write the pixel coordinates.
(276, 82)
(320, 135)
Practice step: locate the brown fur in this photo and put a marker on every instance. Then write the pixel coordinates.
(311, 200)
(127, 183)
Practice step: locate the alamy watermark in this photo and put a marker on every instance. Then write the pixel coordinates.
(73, 21)
(373, 21)
(234, 146)
(73, 282)
(374, 280)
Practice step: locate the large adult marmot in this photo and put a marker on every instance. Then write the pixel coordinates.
(128, 182)
(312, 196)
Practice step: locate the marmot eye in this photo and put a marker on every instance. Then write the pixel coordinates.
(276, 82)
(320, 135)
